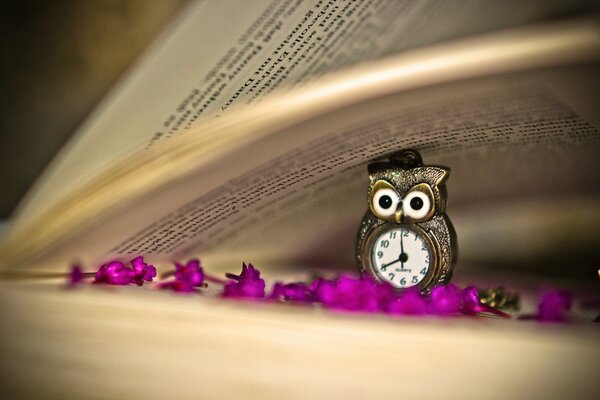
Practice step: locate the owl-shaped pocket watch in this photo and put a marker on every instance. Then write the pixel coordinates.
(405, 238)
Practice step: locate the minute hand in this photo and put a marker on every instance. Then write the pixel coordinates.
(401, 249)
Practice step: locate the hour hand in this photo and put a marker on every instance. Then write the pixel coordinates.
(383, 267)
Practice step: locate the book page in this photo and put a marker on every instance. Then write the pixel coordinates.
(298, 194)
(113, 342)
(220, 55)
(506, 138)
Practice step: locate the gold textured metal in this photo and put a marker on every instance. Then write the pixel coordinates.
(404, 173)
(499, 298)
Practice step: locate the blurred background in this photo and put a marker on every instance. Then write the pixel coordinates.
(58, 59)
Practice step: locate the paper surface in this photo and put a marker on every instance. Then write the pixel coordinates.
(285, 199)
(108, 342)
(452, 102)
(202, 64)
(310, 196)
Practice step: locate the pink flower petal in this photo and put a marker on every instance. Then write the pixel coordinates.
(249, 284)
(411, 302)
(191, 273)
(445, 300)
(554, 305)
(297, 292)
(187, 277)
(142, 271)
(472, 305)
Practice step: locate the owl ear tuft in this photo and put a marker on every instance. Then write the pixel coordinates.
(443, 173)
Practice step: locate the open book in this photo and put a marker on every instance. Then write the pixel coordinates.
(245, 130)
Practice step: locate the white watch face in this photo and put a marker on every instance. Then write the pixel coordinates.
(401, 257)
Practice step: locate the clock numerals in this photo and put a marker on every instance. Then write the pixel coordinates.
(401, 262)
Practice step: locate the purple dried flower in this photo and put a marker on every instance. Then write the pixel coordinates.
(554, 305)
(187, 277)
(330, 295)
(142, 271)
(472, 305)
(347, 293)
(114, 273)
(386, 296)
(411, 302)
(325, 291)
(470, 301)
(75, 275)
(352, 294)
(315, 284)
(247, 284)
(297, 292)
(191, 273)
(445, 300)
(277, 292)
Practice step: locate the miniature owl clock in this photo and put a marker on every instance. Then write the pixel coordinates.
(405, 238)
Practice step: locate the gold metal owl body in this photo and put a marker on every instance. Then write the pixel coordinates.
(405, 237)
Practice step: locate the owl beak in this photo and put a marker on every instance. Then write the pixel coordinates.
(399, 215)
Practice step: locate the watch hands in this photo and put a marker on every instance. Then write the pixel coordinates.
(402, 258)
(401, 250)
(388, 264)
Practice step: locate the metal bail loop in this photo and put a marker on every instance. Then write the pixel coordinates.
(406, 159)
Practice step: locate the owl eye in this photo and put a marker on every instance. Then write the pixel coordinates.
(385, 202)
(416, 205)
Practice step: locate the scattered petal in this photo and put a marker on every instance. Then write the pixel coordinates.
(445, 300)
(248, 284)
(346, 292)
(472, 305)
(352, 294)
(554, 305)
(191, 273)
(114, 273)
(296, 292)
(411, 302)
(142, 271)
(187, 277)
(471, 302)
